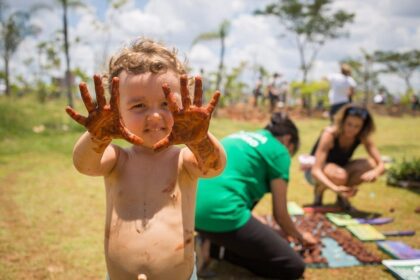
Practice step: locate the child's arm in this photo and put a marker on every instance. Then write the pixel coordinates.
(205, 156)
(92, 154)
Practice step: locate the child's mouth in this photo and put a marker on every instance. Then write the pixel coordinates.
(155, 129)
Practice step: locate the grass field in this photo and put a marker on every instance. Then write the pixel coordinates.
(51, 217)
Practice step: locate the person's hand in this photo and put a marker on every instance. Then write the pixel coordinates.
(103, 121)
(191, 123)
(346, 191)
(308, 240)
(369, 176)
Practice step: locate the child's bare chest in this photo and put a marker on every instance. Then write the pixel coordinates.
(149, 182)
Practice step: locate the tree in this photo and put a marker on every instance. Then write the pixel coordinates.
(312, 25)
(402, 64)
(234, 87)
(221, 34)
(65, 5)
(364, 73)
(13, 30)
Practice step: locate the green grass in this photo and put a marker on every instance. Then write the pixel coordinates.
(51, 217)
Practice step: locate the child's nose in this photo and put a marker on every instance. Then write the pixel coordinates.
(154, 116)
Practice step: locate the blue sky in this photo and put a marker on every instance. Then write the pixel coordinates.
(379, 25)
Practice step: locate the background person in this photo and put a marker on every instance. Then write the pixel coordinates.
(342, 87)
(334, 167)
(257, 163)
(274, 90)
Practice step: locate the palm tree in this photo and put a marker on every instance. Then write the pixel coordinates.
(65, 5)
(13, 30)
(221, 34)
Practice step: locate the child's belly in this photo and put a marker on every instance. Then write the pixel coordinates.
(160, 247)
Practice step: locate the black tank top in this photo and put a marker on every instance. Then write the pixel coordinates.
(337, 154)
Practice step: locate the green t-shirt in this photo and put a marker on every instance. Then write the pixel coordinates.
(254, 159)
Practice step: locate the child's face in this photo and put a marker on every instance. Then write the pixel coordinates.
(143, 106)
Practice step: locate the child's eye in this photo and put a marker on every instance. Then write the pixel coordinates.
(165, 104)
(140, 105)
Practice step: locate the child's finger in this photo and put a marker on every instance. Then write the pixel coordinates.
(165, 142)
(198, 91)
(115, 94)
(99, 89)
(170, 96)
(185, 94)
(87, 100)
(213, 102)
(76, 116)
(131, 137)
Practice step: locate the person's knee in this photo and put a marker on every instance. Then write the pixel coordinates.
(337, 175)
(293, 270)
(363, 165)
(297, 270)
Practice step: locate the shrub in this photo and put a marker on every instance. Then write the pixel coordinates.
(407, 171)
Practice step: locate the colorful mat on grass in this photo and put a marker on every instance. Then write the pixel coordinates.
(338, 248)
(365, 232)
(340, 219)
(404, 269)
(398, 250)
(321, 209)
(294, 209)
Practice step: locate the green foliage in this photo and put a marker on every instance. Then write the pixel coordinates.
(220, 34)
(311, 22)
(14, 28)
(405, 171)
(233, 87)
(404, 64)
(365, 74)
(310, 92)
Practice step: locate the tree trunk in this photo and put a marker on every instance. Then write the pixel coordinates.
(222, 54)
(6, 75)
(408, 84)
(66, 49)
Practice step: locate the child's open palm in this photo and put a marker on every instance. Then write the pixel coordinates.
(191, 123)
(103, 121)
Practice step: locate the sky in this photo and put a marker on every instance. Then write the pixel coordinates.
(258, 40)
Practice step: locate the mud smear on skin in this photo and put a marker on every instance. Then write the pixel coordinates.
(170, 189)
(188, 240)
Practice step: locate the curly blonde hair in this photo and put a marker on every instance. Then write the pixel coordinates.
(141, 56)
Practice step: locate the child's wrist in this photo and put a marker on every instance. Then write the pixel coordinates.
(199, 142)
(100, 140)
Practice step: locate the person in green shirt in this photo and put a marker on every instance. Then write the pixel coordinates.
(257, 163)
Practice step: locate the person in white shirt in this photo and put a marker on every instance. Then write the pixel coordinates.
(342, 87)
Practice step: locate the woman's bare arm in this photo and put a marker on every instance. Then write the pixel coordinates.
(324, 146)
(373, 152)
(281, 215)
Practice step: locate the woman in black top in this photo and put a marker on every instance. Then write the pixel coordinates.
(333, 168)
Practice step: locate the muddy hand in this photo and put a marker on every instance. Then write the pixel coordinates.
(103, 121)
(191, 123)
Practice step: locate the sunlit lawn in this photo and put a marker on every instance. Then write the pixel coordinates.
(51, 217)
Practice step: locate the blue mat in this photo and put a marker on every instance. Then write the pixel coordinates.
(335, 255)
